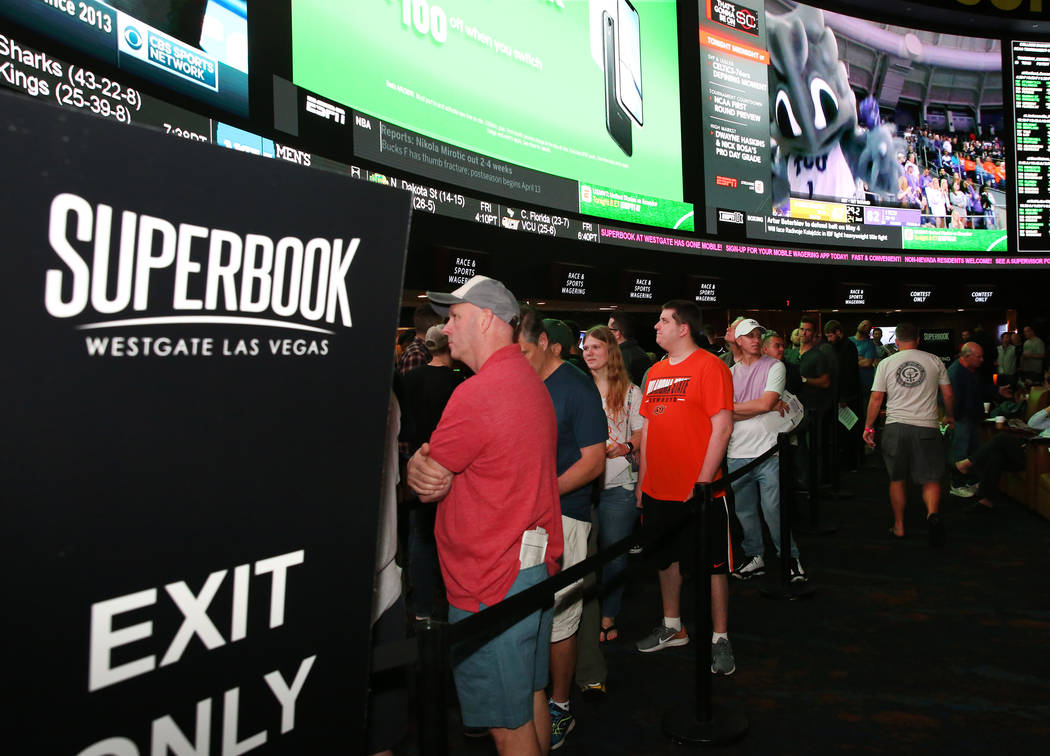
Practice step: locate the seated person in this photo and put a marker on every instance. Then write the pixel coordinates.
(1004, 452)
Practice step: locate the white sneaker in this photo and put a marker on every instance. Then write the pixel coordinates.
(753, 567)
(964, 492)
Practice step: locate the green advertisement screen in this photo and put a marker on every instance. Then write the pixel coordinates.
(585, 90)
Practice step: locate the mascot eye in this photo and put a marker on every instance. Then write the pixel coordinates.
(785, 117)
(825, 105)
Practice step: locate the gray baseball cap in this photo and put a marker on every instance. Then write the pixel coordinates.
(480, 291)
(436, 340)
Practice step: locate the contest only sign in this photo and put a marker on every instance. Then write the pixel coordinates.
(197, 360)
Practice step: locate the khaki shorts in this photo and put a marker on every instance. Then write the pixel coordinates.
(568, 602)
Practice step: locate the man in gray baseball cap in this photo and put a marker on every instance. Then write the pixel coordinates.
(480, 291)
(491, 462)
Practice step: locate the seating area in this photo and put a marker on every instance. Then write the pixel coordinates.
(1031, 486)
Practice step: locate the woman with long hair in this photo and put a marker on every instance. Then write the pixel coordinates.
(617, 513)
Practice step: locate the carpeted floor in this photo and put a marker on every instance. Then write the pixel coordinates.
(901, 649)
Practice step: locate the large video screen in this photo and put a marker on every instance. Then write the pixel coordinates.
(822, 128)
(198, 48)
(1030, 63)
(567, 104)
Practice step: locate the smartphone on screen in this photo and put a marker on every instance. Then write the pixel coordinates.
(629, 53)
(617, 122)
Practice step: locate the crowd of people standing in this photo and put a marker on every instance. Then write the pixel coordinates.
(534, 463)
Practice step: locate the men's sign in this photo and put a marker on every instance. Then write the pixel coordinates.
(197, 358)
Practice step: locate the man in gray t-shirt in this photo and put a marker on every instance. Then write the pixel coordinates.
(1032, 354)
(911, 443)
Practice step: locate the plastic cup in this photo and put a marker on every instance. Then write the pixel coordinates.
(1000, 422)
(987, 407)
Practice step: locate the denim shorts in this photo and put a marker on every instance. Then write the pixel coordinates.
(496, 681)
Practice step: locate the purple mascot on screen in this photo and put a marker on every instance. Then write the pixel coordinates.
(820, 150)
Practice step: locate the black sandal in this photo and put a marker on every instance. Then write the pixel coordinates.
(603, 636)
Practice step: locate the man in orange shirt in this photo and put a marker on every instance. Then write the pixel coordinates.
(688, 418)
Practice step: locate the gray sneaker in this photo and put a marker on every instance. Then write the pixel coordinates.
(722, 661)
(661, 638)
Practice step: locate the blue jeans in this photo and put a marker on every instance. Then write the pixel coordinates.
(617, 515)
(964, 443)
(760, 484)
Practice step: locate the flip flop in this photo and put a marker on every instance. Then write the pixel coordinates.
(603, 636)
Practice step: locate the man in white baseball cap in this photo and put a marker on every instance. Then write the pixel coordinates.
(758, 382)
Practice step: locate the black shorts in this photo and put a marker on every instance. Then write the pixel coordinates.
(662, 521)
(913, 451)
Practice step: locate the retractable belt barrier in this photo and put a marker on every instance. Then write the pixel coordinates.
(402, 653)
(430, 645)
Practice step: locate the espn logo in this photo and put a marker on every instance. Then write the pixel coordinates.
(731, 216)
(725, 181)
(326, 110)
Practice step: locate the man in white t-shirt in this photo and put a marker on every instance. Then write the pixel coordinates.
(911, 444)
(758, 381)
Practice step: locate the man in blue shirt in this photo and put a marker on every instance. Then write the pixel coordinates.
(970, 394)
(582, 433)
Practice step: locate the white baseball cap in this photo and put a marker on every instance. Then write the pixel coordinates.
(746, 326)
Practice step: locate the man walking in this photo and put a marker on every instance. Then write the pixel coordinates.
(911, 443)
(687, 408)
(970, 392)
(490, 464)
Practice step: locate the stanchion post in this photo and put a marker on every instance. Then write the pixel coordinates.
(702, 579)
(816, 450)
(833, 448)
(433, 722)
(835, 455)
(784, 588)
(787, 506)
(703, 723)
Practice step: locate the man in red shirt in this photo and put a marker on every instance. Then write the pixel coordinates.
(688, 417)
(491, 467)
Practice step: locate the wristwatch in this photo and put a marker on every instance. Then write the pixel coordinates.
(630, 447)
